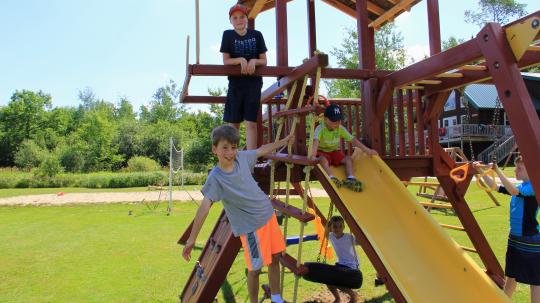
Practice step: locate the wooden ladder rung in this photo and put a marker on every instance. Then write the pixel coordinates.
(469, 249)
(435, 205)
(420, 183)
(282, 192)
(450, 75)
(431, 196)
(461, 228)
(473, 67)
(295, 159)
(429, 82)
(296, 111)
(292, 211)
(289, 262)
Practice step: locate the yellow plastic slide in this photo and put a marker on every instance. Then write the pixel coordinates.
(426, 264)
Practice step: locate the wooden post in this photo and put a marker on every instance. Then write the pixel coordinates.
(434, 27)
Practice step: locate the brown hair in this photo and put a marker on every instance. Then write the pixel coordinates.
(225, 132)
(335, 219)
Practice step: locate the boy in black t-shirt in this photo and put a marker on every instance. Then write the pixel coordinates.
(244, 47)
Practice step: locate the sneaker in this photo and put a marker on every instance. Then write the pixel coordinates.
(336, 181)
(378, 282)
(353, 184)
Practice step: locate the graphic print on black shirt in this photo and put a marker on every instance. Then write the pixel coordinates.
(248, 46)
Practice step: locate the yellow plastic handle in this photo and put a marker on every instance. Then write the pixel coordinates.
(486, 173)
(455, 175)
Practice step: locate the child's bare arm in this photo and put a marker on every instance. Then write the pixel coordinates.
(510, 187)
(270, 147)
(256, 62)
(227, 60)
(367, 150)
(479, 168)
(314, 148)
(200, 217)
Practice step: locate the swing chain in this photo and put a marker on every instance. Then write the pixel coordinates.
(495, 123)
(466, 104)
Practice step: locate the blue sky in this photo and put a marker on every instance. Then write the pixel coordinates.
(128, 49)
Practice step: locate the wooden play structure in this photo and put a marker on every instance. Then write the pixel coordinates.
(416, 259)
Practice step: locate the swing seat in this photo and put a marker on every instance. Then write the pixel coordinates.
(333, 275)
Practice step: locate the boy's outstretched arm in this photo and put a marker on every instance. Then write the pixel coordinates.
(367, 150)
(510, 187)
(201, 215)
(504, 180)
(270, 147)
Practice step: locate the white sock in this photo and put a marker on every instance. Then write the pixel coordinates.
(277, 298)
(350, 177)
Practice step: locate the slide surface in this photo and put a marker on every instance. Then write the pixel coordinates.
(424, 261)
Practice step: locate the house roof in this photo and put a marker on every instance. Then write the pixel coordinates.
(379, 11)
(484, 96)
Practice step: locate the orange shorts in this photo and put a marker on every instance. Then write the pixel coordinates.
(259, 246)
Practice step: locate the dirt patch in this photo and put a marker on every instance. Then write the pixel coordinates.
(108, 197)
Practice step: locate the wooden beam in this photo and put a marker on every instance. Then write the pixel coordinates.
(437, 64)
(256, 8)
(434, 27)
(384, 99)
(341, 7)
(279, 71)
(514, 97)
(391, 13)
(299, 72)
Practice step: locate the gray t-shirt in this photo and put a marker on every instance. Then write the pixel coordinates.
(246, 205)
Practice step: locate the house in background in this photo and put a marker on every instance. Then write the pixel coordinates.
(459, 127)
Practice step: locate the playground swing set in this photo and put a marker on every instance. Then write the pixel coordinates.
(401, 240)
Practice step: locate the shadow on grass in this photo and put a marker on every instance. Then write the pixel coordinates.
(483, 209)
(380, 299)
(227, 291)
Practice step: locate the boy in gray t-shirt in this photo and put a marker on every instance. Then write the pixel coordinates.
(248, 208)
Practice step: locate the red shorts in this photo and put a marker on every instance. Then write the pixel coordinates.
(259, 246)
(334, 158)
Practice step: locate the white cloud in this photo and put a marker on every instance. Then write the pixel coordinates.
(417, 52)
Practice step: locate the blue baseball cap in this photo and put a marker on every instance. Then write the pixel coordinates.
(333, 112)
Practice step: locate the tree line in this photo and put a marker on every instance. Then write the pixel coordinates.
(100, 135)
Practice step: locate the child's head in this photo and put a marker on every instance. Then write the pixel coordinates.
(521, 170)
(332, 116)
(238, 16)
(337, 224)
(225, 139)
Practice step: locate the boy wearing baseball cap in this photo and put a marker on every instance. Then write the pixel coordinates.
(327, 144)
(244, 47)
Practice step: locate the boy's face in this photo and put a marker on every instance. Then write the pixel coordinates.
(521, 172)
(332, 125)
(337, 228)
(239, 21)
(225, 152)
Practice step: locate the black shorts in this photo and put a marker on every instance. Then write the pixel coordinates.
(523, 259)
(243, 103)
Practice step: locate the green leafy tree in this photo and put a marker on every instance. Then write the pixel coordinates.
(390, 54)
(23, 118)
(50, 167)
(451, 42)
(500, 11)
(125, 110)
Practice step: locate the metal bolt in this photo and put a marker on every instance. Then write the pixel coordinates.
(486, 37)
(507, 93)
(535, 23)
(496, 64)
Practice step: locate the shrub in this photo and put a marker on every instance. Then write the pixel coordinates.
(50, 167)
(29, 155)
(142, 164)
(72, 158)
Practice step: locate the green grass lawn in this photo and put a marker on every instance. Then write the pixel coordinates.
(98, 253)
